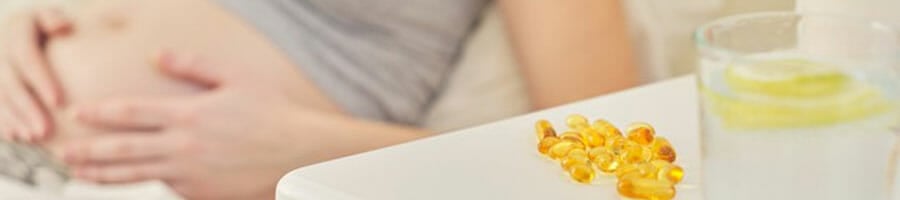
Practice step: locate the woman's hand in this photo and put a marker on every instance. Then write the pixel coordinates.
(28, 87)
(232, 142)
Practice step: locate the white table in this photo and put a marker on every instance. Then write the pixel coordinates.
(500, 160)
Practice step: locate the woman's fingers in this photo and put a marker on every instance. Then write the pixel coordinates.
(8, 121)
(28, 58)
(28, 83)
(191, 68)
(53, 21)
(129, 113)
(123, 157)
(120, 147)
(33, 118)
(120, 173)
(27, 119)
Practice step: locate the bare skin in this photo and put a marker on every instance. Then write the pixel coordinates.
(223, 106)
(120, 37)
(107, 40)
(571, 50)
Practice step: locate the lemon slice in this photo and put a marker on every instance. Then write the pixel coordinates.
(786, 77)
(755, 111)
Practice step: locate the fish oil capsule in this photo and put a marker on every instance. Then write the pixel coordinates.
(604, 160)
(592, 138)
(642, 133)
(626, 169)
(570, 161)
(575, 157)
(546, 143)
(582, 173)
(632, 152)
(605, 128)
(644, 170)
(572, 136)
(616, 145)
(577, 122)
(662, 150)
(666, 171)
(543, 129)
(562, 148)
(579, 146)
(578, 153)
(595, 150)
(645, 188)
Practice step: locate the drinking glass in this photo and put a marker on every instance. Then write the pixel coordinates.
(798, 106)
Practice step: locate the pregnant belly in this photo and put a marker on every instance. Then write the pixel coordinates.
(109, 54)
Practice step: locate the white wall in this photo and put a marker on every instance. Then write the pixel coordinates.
(663, 29)
(887, 11)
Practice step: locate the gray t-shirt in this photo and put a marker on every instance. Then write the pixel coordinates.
(384, 60)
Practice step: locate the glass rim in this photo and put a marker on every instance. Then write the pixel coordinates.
(702, 42)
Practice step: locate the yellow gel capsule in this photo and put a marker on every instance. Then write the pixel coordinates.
(577, 122)
(572, 136)
(616, 145)
(543, 129)
(605, 128)
(644, 170)
(546, 143)
(642, 133)
(562, 149)
(662, 150)
(604, 160)
(579, 146)
(596, 150)
(575, 157)
(582, 173)
(578, 153)
(592, 138)
(645, 188)
(668, 172)
(625, 169)
(635, 153)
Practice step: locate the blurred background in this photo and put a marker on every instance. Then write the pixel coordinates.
(487, 77)
(661, 30)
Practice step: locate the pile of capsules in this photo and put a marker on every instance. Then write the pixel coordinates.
(642, 162)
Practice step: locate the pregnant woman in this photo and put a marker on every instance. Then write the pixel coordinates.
(220, 98)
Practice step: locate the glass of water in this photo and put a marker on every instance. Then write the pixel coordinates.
(798, 106)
